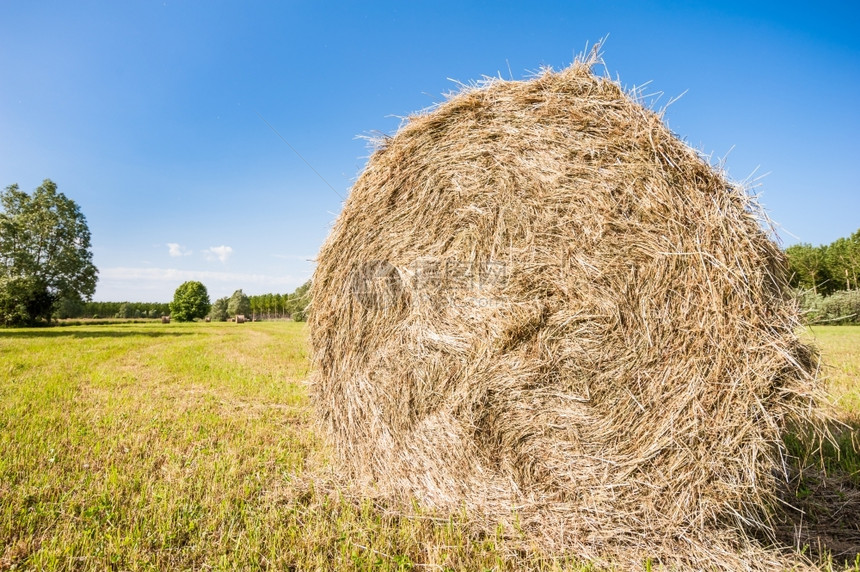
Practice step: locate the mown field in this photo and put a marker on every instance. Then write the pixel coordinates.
(840, 346)
(189, 446)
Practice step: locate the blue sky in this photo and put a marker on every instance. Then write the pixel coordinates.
(153, 116)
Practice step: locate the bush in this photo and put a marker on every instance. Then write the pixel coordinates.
(841, 307)
(23, 301)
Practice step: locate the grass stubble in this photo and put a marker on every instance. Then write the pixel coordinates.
(189, 446)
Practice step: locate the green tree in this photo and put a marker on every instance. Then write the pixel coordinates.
(190, 301)
(239, 304)
(268, 303)
(45, 253)
(23, 300)
(279, 306)
(218, 313)
(66, 308)
(843, 261)
(808, 267)
(254, 303)
(299, 301)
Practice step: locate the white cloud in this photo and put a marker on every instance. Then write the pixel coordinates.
(175, 249)
(173, 274)
(221, 253)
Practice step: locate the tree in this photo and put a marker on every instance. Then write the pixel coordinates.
(218, 313)
(808, 267)
(254, 302)
(268, 304)
(299, 301)
(45, 253)
(190, 301)
(65, 308)
(23, 300)
(239, 304)
(843, 261)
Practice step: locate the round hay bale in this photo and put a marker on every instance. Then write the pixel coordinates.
(538, 298)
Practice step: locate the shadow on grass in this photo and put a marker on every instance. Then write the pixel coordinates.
(821, 501)
(69, 332)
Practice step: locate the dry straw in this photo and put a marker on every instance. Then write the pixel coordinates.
(539, 301)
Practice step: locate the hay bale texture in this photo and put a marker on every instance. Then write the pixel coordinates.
(538, 299)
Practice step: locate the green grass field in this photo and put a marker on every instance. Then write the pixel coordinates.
(188, 446)
(840, 348)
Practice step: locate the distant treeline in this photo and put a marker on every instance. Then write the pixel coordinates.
(263, 306)
(259, 307)
(280, 306)
(73, 309)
